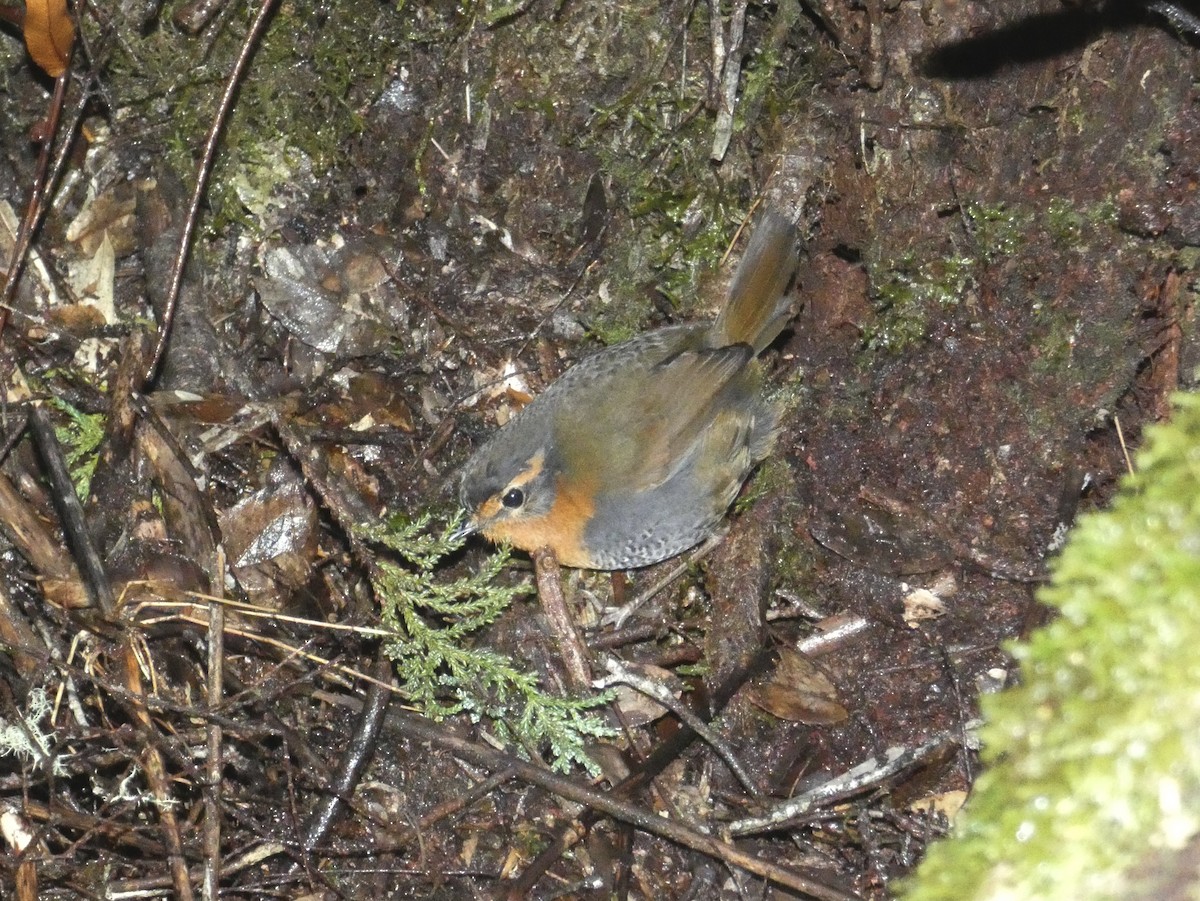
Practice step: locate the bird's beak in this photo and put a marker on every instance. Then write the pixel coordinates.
(466, 530)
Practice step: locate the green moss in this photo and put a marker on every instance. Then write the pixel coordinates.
(1093, 766)
(1071, 226)
(907, 293)
(999, 230)
(1063, 221)
(653, 141)
(619, 323)
(1058, 331)
(1104, 213)
(915, 287)
(81, 436)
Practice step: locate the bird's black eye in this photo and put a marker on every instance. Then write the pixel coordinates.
(513, 498)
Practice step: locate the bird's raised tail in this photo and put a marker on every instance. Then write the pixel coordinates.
(758, 308)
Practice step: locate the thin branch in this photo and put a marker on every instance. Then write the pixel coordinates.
(656, 691)
(204, 171)
(420, 729)
(43, 179)
(357, 756)
(215, 762)
(866, 775)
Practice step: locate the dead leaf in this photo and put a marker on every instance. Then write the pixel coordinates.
(333, 296)
(111, 215)
(799, 692)
(49, 34)
(948, 804)
(93, 280)
(209, 409)
(271, 540)
(80, 319)
(921, 605)
(637, 708)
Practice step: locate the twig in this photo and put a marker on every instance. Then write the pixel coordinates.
(204, 171)
(866, 774)
(481, 790)
(568, 836)
(1185, 22)
(662, 756)
(214, 763)
(562, 626)
(420, 729)
(156, 776)
(823, 641)
(658, 692)
(357, 756)
(36, 208)
(572, 652)
(1124, 446)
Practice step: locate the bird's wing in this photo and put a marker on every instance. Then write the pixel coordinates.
(646, 421)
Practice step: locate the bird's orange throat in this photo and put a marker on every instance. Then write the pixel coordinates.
(561, 529)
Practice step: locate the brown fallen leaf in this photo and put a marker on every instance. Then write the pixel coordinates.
(948, 804)
(49, 34)
(798, 692)
(79, 319)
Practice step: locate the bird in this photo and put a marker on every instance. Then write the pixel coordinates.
(635, 454)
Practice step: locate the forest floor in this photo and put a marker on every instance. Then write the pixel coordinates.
(420, 216)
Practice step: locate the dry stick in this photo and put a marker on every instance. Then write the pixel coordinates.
(100, 589)
(37, 196)
(562, 626)
(571, 650)
(61, 815)
(579, 676)
(420, 729)
(656, 691)
(156, 776)
(1124, 446)
(380, 689)
(871, 772)
(210, 887)
(356, 757)
(567, 837)
(659, 759)
(480, 791)
(202, 176)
